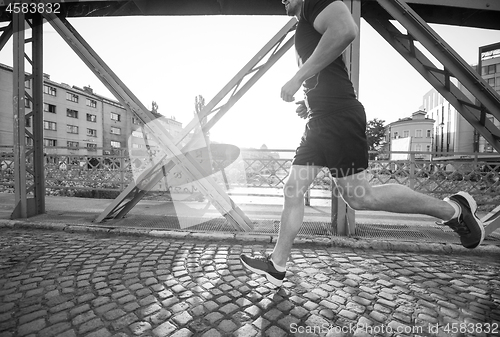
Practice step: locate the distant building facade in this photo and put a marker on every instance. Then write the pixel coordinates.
(451, 131)
(75, 118)
(411, 134)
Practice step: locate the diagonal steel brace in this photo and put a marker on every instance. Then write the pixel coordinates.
(236, 88)
(453, 65)
(185, 162)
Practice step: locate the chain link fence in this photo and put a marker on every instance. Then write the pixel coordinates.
(105, 173)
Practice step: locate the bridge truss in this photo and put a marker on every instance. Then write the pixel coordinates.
(413, 15)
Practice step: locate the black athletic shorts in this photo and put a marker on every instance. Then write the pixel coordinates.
(337, 141)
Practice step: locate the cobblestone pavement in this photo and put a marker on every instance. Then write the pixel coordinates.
(55, 283)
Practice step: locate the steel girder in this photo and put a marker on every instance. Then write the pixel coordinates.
(180, 159)
(454, 66)
(439, 78)
(233, 91)
(471, 13)
(491, 221)
(28, 160)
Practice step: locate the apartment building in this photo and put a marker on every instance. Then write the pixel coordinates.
(75, 120)
(451, 131)
(411, 134)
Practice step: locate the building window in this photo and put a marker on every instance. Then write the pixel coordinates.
(116, 131)
(27, 103)
(49, 125)
(49, 108)
(137, 134)
(49, 142)
(491, 81)
(28, 122)
(72, 129)
(91, 118)
(71, 113)
(73, 144)
(91, 132)
(115, 144)
(418, 133)
(396, 135)
(428, 134)
(49, 90)
(29, 141)
(136, 121)
(91, 103)
(115, 117)
(406, 133)
(27, 84)
(71, 97)
(418, 147)
(488, 70)
(91, 146)
(428, 148)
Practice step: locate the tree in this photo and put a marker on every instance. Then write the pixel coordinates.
(375, 134)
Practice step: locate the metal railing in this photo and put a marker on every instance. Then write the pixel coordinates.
(105, 173)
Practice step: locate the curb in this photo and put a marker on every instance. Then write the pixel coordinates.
(338, 242)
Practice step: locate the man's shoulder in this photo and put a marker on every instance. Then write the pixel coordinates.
(313, 7)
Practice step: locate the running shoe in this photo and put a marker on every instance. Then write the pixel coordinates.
(263, 266)
(467, 225)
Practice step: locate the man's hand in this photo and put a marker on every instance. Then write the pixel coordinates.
(301, 110)
(289, 89)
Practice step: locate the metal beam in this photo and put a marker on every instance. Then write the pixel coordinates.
(274, 49)
(28, 160)
(187, 165)
(488, 5)
(491, 221)
(6, 34)
(453, 65)
(20, 199)
(37, 106)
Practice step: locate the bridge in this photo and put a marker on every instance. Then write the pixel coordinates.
(413, 15)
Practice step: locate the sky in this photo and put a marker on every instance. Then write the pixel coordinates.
(171, 60)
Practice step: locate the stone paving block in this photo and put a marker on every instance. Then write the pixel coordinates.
(124, 321)
(31, 316)
(378, 316)
(55, 329)
(140, 328)
(226, 326)
(5, 307)
(164, 329)
(31, 327)
(210, 282)
(275, 331)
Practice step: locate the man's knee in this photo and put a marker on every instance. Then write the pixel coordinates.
(358, 198)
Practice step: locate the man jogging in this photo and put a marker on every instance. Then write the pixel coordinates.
(335, 138)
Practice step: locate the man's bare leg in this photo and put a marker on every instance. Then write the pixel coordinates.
(298, 181)
(360, 195)
(458, 210)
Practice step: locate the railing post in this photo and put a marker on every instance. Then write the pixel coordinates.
(122, 169)
(343, 216)
(412, 170)
(308, 197)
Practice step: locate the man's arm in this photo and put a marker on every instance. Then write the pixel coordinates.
(338, 30)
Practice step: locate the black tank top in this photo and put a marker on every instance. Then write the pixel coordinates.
(330, 90)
